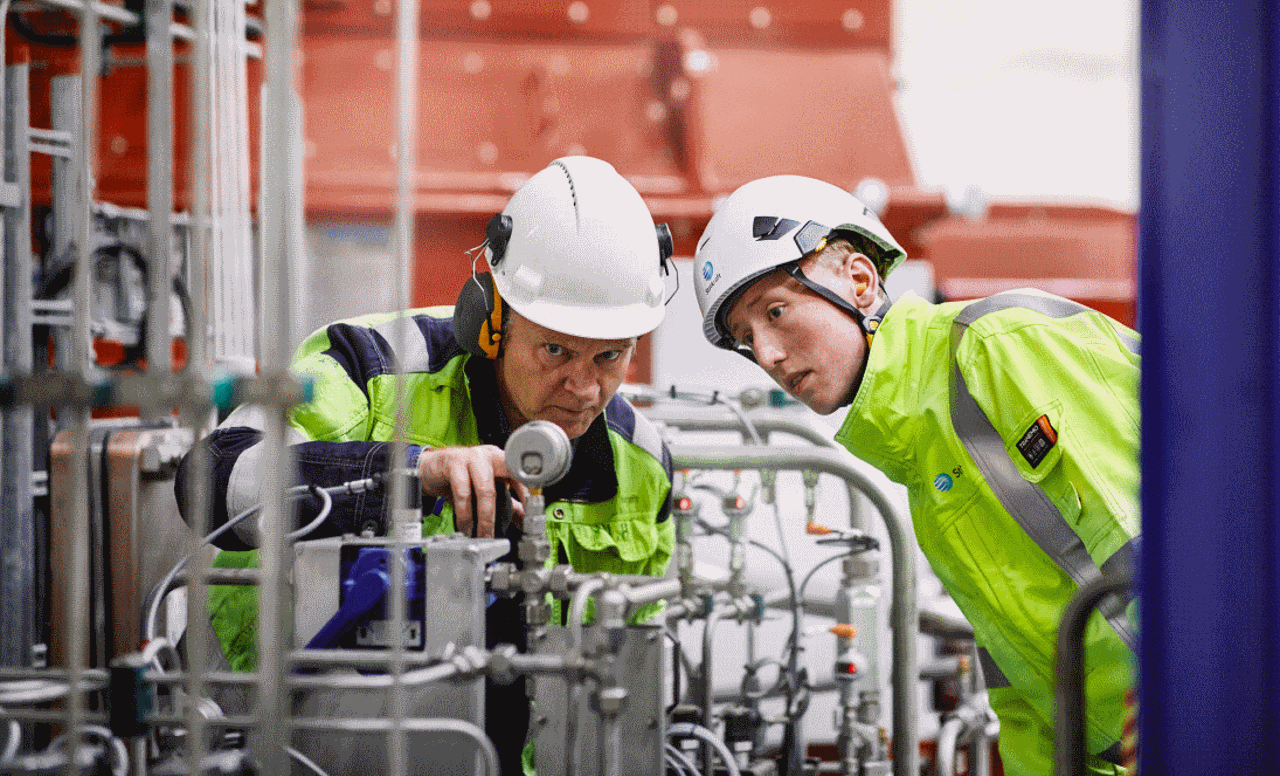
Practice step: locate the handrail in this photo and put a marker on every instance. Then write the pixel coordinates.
(1069, 705)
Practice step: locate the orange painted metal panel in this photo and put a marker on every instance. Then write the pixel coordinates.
(491, 114)
(484, 18)
(1083, 253)
(122, 124)
(762, 23)
(825, 114)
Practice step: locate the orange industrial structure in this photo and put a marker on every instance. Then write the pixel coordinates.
(687, 99)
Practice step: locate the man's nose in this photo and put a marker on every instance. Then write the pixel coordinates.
(581, 380)
(767, 350)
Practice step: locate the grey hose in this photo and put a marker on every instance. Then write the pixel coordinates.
(706, 736)
(679, 761)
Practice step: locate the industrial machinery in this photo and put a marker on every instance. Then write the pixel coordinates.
(373, 653)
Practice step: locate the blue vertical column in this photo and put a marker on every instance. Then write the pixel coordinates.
(1208, 259)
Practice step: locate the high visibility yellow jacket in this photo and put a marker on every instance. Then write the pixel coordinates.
(1013, 423)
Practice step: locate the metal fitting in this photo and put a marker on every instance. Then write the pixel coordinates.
(534, 581)
(534, 550)
(502, 663)
(609, 701)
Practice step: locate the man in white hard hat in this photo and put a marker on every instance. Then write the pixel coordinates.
(1012, 421)
(575, 277)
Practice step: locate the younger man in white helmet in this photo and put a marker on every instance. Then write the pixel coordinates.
(1012, 422)
(576, 277)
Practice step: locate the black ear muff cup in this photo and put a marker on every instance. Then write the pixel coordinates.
(477, 317)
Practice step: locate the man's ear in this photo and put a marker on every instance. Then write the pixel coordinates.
(862, 278)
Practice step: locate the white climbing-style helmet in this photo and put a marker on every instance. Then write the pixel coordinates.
(771, 223)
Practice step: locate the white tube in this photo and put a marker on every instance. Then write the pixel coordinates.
(707, 737)
(948, 740)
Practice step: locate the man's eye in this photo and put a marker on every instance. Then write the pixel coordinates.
(553, 349)
(610, 355)
(775, 312)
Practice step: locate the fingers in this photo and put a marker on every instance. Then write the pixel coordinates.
(467, 476)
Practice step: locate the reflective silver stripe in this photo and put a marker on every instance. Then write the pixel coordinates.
(646, 437)
(1025, 501)
(1049, 306)
(243, 483)
(992, 677)
(246, 416)
(415, 357)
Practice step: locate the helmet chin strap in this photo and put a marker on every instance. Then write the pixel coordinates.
(869, 324)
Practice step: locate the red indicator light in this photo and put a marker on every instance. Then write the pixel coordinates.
(684, 503)
(738, 503)
(850, 668)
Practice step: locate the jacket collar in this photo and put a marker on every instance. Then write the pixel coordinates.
(882, 424)
(591, 477)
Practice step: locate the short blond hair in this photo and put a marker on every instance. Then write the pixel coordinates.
(834, 252)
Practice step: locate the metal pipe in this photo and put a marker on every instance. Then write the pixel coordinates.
(195, 411)
(901, 549)
(406, 167)
(1069, 703)
(159, 15)
(434, 725)
(706, 419)
(17, 533)
(76, 597)
(639, 595)
(279, 128)
(708, 690)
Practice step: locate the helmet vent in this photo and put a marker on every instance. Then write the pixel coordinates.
(573, 192)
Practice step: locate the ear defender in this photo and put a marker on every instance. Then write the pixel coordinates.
(478, 317)
(860, 288)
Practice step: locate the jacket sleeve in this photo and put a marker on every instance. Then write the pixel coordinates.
(329, 437)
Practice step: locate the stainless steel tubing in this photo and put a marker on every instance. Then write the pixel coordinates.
(280, 146)
(77, 598)
(159, 15)
(375, 725)
(436, 673)
(405, 221)
(658, 590)
(17, 533)
(700, 419)
(1069, 707)
(195, 412)
(901, 549)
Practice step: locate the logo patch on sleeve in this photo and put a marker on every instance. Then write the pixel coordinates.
(1038, 441)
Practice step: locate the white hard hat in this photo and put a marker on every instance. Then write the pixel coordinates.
(583, 256)
(769, 223)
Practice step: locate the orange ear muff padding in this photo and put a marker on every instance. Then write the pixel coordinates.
(478, 317)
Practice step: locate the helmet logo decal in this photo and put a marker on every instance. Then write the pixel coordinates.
(942, 482)
(707, 269)
(771, 227)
